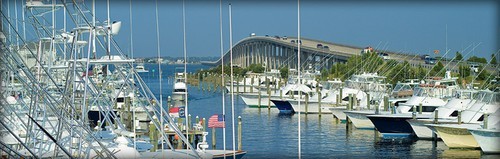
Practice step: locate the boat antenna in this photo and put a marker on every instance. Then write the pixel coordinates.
(222, 78)
(298, 61)
(185, 65)
(159, 72)
(232, 76)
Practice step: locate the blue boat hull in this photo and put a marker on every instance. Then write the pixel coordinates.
(392, 126)
(284, 106)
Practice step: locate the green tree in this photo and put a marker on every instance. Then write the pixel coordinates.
(493, 59)
(324, 73)
(256, 68)
(421, 72)
(438, 70)
(477, 59)
(464, 71)
(284, 72)
(458, 56)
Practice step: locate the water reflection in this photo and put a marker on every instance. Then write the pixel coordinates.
(269, 134)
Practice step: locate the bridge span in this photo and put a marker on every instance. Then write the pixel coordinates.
(276, 52)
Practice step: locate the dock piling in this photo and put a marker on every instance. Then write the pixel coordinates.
(307, 102)
(319, 104)
(244, 84)
(213, 138)
(368, 101)
(420, 108)
(239, 133)
(459, 118)
(485, 120)
(386, 103)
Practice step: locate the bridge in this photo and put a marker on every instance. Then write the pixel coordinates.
(275, 52)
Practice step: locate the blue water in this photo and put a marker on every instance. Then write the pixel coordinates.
(268, 134)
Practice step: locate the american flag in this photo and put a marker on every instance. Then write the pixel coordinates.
(174, 112)
(216, 121)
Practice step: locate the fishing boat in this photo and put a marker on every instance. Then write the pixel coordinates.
(430, 95)
(359, 86)
(463, 99)
(456, 134)
(487, 137)
(140, 69)
(179, 92)
(401, 92)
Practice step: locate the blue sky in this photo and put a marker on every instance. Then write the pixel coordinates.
(402, 26)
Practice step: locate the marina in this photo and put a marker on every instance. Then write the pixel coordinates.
(74, 85)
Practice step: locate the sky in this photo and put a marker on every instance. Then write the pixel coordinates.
(416, 27)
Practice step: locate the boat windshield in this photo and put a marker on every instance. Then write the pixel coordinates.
(491, 98)
(402, 87)
(465, 94)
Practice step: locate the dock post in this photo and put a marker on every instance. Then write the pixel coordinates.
(275, 84)
(391, 106)
(436, 116)
(307, 102)
(204, 123)
(152, 136)
(485, 121)
(349, 106)
(319, 104)
(281, 94)
(197, 119)
(420, 108)
(259, 98)
(179, 141)
(189, 122)
(337, 100)
(459, 118)
(237, 86)
(434, 135)
(355, 102)
(340, 93)
(279, 83)
(269, 101)
(239, 133)
(213, 138)
(251, 81)
(386, 103)
(377, 110)
(414, 114)
(368, 101)
(267, 85)
(244, 84)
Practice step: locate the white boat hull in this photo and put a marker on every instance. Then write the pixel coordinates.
(178, 96)
(359, 119)
(488, 140)
(252, 100)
